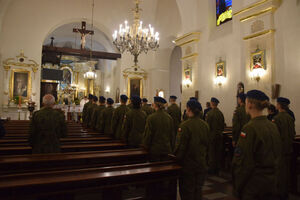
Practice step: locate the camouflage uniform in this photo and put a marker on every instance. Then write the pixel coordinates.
(215, 120)
(286, 127)
(256, 160)
(105, 122)
(117, 120)
(159, 135)
(134, 127)
(191, 152)
(46, 128)
(240, 118)
(175, 112)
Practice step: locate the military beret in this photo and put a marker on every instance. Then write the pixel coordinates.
(194, 105)
(95, 98)
(102, 98)
(123, 97)
(110, 101)
(242, 96)
(145, 100)
(136, 100)
(90, 96)
(173, 97)
(193, 98)
(215, 100)
(283, 100)
(258, 95)
(159, 100)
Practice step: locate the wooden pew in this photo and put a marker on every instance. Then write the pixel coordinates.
(20, 150)
(62, 161)
(107, 179)
(295, 167)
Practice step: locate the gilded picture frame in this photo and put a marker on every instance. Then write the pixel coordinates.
(135, 86)
(20, 84)
(221, 69)
(258, 60)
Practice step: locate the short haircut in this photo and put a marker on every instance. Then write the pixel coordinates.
(48, 100)
(259, 105)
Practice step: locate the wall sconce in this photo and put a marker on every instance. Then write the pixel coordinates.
(257, 73)
(187, 82)
(107, 90)
(220, 80)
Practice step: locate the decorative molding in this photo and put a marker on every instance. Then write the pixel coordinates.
(258, 25)
(270, 9)
(6, 67)
(187, 35)
(250, 7)
(189, 56)
(187, 42)
(259, 34)
(20, 61)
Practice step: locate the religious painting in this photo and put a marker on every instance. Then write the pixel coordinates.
(188, 73)
(257, 60)
(135, 87)
(220, 69)
(20, 84)
(223, 11)
(67, 77)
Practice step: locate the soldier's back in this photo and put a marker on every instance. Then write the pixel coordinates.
(134, 126)
(47, 127)
(117, 120)
(159, 135)
(147, 109)
(107, 114)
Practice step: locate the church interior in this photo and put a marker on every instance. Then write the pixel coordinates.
(146, 48)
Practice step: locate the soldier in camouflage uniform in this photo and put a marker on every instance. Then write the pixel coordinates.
(215, 120)
(118, 117)
(159, 136)
(185, 117)
(97, 112)
(106, 117)
(240, 118)
(146, 108)
(47, 126)
(191, 151)
(174, 111)
(90, 111)
(286, 127)
(134, 123)
(257, 154)
(85, 108)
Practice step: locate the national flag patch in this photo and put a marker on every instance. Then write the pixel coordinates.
(243, 135)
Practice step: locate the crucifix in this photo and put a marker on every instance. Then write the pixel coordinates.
(83, 33)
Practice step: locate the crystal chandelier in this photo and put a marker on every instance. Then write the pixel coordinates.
(136, 39)
(90, 75)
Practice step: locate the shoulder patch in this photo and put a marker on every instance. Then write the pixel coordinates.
(273, 120)
(243, 135)
(179, 130)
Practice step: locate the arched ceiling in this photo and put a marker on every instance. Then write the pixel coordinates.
(164, 15)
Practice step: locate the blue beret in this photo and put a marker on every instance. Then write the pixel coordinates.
(283, 100)
(194, 105)
(123, 97)
(102, 98)
(242, 96)
(173, 97)
(110, 101)
(258, 95)
(145, 100)
(215, 100)
(90, 96)
(193, 98)
(95, 98)
(159, 100)
(136, 100)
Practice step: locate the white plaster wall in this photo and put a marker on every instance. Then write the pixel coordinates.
(175, 73)
(287, 53)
